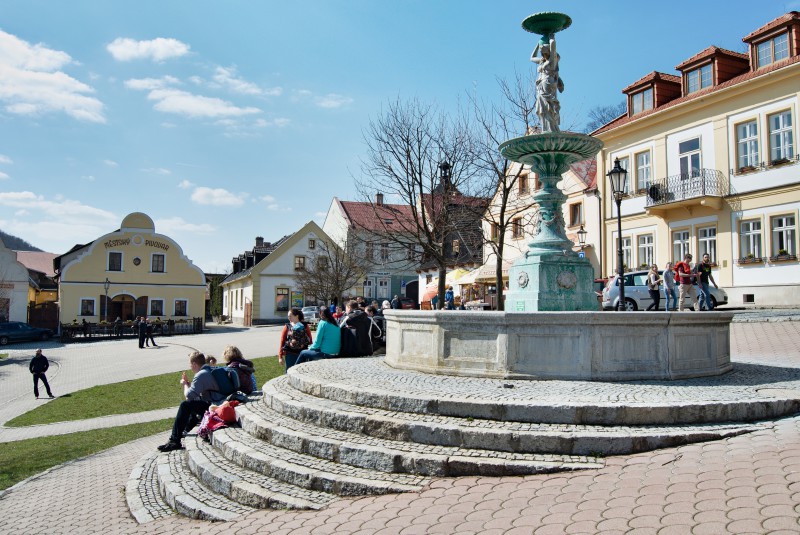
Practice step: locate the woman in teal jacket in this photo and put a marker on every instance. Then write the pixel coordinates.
(328, 341)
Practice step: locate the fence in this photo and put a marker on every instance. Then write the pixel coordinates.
(78, 332)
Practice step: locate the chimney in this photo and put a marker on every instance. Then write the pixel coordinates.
(259, 241)
(236, 264)
(379, 199)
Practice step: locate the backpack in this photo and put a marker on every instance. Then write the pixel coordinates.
(296, 339)
(227, 380)
(355, 331)
(349, 346)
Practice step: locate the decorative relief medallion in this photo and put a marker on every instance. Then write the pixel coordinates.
(522, 279)
(566, 280)
(137, 261)
(138, 240)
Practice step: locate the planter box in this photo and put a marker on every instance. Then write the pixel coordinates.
(783, 258)
(756, 260)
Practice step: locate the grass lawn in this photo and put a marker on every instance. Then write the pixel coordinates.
(138, 395)
(24, 458)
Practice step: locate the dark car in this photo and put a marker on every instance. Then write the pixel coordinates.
(406, 303)
(16, 331)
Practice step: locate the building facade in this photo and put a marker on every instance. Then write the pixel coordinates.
(711, 155)
(14, 284)
(147, 274)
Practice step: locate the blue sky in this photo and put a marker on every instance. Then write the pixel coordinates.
(228, 120)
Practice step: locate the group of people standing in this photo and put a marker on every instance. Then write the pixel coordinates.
(685, 281)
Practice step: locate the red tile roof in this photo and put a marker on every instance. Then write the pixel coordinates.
(625, 119)
(709, 52)
(370, 216)
(783, 19)
(586, 171)
(655, 75)
(38, 261)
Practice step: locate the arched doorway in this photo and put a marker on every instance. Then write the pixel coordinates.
(412, 290)
(122, 306)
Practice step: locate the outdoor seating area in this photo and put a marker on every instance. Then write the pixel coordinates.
(74, 331)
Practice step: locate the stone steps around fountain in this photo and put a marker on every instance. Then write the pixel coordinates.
(393, 456)
(244, 486)
(369, 382)
(522, 437)
(309, 472)
(188, 496)
(142, 491)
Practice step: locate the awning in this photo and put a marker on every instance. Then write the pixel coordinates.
(452, 278)
(486, 273)
(468, 277)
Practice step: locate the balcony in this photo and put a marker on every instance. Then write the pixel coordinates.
(702, 187)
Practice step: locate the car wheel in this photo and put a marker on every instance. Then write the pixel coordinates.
(3, 340)
(630, 305)
(44, 336)
(713, 301)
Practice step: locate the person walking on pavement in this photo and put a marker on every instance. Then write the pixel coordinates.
(703, 270)
(653, 283)
(395, 303)
(149, 335)
(684, 273)
(669, 287)
(142, 331)
(38, 366)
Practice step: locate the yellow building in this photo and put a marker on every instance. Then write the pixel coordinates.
(712, 167)
(147, 274)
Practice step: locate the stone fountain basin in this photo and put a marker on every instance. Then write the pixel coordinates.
(564, 147)
(594, 346)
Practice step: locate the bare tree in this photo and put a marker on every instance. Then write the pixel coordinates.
(331, 271)
(507, 183)
(421, 157)
(602, 115)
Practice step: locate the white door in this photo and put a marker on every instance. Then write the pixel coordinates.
(368, 289)
(383, 289)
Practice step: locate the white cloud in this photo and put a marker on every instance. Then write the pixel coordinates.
(21, 213)
(157, 171)
(217, 197)
(185, 184)
(159, 49)
(88, 178)
(4, 176)
(227, 78)
(178, 224)
(5, 159)
(267, 198)
(148, 84)
(32, 84)
(189, 105)
(111, 163)
(332, 100)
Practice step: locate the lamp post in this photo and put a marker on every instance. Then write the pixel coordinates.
(582, 238)
(618, 176)
(106, 285)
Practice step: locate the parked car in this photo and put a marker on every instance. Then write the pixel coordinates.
(16, 331)
(406, 303)
(637, 297)
(311, 314)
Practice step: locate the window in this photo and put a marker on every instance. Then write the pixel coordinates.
(312, 243)
(411, 252)
(157, 264)
(282, 299)
(689, 152)
(642, 100)
(385, 252)
(456, 246)
(750, 239)
(680, 244)
(780, 136)
(181, 307)
(773, 50)
(114, 261)
(156, 307)
(783, 235)
(428, 279)
(322, 263)
(495, 231)
(642, 170)
(299, 263)
(626, 251)
(523, 184)
(646, 254)
(367, 288)
(576, 214)
(698, 79)
(87, 307)
(516, 227)
(747, 144)
(707, 243)
(369, 251)
(625, 164)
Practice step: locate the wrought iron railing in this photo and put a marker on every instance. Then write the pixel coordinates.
(699, 183)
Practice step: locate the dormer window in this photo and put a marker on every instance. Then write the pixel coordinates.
(641, 101)
(698, 79)
(773, 50)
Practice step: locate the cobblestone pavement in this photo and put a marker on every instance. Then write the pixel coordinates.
(745, 484)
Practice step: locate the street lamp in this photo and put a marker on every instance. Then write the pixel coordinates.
(582, 238)
(618, 176)
(106, 285)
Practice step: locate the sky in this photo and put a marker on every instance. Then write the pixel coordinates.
(224, 121)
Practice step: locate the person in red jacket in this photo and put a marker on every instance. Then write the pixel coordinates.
(291, 341)
(685, 277)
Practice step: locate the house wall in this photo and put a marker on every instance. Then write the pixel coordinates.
(13, 287)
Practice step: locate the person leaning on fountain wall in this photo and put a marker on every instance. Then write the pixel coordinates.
(548, 84)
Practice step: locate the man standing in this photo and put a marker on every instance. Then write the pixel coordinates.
(38, 366)
(685, 276)
(449, 298)
(142, 326)
(703, 270)
(202, 391)
(395, 303)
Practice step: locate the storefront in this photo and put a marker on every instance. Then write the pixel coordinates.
(127, 273)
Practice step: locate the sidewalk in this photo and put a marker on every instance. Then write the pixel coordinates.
(745, 484)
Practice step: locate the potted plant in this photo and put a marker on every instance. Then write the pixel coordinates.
(747, 169)
(750, 258)
(783, 256)
(779, 161)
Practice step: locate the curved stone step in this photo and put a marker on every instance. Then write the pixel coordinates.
(748, 393)
(397, 456)
(511, 436)
(245, 486)
(309, 472)
(142, 494)
(186, 495)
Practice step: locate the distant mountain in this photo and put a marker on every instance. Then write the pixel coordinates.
(17, 244)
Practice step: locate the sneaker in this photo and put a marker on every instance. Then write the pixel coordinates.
(170, 446)
(52, 396)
